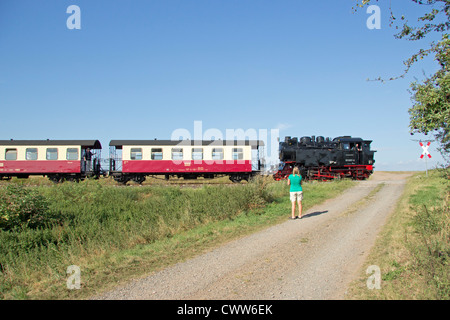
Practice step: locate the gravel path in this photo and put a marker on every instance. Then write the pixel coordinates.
(312, 258)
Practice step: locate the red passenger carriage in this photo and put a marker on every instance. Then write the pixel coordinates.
(188, 159)
(57, 159)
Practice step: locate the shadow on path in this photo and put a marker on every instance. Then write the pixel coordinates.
(312, 214)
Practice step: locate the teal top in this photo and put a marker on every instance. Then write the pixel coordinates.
(295, 183)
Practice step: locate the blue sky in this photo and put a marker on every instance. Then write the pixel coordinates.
(142, 69)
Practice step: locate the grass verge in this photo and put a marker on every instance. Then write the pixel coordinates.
(413, 250)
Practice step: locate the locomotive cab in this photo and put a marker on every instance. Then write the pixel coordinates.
(355, 151)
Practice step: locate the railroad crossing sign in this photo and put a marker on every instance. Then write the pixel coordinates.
(425, 154)
(425, 150)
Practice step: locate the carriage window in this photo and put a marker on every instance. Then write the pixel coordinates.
(177, 154)
(52, 154)
(72, 154)
(136, 154)
(217, 153)
(197, 154)
(157, 154)
(238, 154)
(346, 146)
(11, 154)
(31, 154)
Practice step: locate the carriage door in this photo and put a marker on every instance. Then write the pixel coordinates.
(115, 158)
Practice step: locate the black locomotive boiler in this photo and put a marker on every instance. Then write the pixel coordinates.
(325, 158)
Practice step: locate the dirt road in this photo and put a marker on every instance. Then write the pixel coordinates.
(312, 258)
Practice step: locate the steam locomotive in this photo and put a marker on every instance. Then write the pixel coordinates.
(325, 158)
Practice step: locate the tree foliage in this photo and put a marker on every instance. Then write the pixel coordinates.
(431, 97)
(431, 100)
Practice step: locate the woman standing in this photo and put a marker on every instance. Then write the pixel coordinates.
(296, 192)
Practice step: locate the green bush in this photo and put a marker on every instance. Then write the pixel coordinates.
(22, 207)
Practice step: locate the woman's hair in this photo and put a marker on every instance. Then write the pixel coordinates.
(296, 171)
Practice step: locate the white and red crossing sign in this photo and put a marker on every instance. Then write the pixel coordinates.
(425, 150)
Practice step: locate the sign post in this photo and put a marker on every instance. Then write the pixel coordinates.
(426, 154)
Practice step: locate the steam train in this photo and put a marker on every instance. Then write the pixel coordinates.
(134, 160)
(325, 158)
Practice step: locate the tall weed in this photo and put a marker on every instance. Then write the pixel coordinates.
(431, 248)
